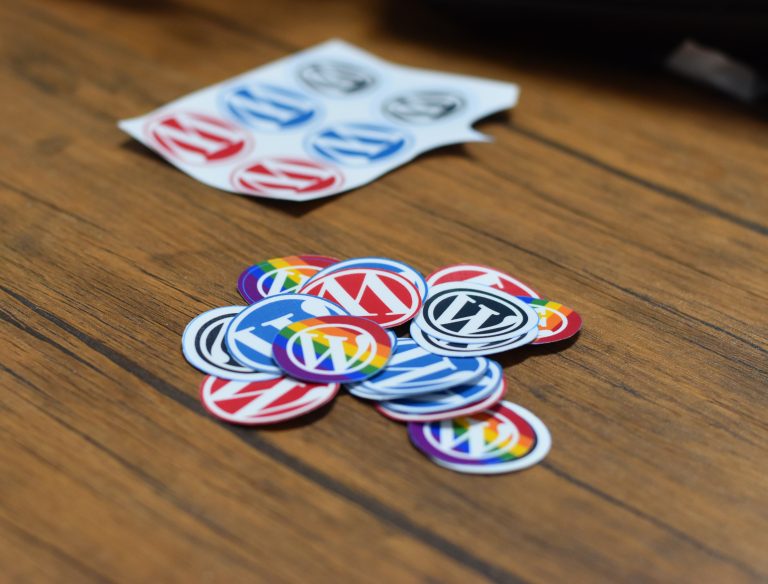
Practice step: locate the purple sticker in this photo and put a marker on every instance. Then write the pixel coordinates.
(279, 276)
(332, 349)
(504, 438)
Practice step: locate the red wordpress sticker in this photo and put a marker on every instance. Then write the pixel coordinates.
(483, 276)
(387, 298)
(287, 178)
(252, 403)
(196, 139)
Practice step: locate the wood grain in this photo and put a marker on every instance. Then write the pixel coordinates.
(636, 199)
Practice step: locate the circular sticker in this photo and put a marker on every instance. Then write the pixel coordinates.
(504, 438)
(387, 298)
(332, 348)
(287, 179)
(271, 108)
(482, 275)
(271, 400)
(337, 78)
(383, 264)
(453, 349)
(423, 107)
(197, 139)
(251, 333)
(556, 322)
(471, 313)
(359, 145)
(279, 275)
(449, 399)
(469, 409)
(413, 370)
(203, 345)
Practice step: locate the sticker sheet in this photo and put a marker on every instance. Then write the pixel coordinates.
(317, 123)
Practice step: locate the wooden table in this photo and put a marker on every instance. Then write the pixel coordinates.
(635, 198)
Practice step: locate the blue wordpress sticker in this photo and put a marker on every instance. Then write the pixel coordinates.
(359, 144)
(449, 399)
(413, 370)
(271, 108)
(251, 333)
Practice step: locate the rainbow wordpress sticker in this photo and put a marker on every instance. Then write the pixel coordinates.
(279, 276)
(556, 322)
(332, 349)
(504, 438)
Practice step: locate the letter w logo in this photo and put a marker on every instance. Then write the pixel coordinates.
(197, 139)
(359, 144)
(282, 175)
(477, 322)
(341, 352)
(479, 439)
(353, 301)
(270, 108)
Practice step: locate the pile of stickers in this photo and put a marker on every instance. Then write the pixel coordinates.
(317, 123)
(314, 323)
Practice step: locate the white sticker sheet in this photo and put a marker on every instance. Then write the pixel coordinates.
(317, 123)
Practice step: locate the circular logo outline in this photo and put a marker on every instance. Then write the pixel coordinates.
(369, 79)
(261, 305)
(404, 143)
(453, 349)
(318, 111)
(421, 93)
(170, 154)
(194, 345)
(306, 194)
(206, 398)
(311, 287)
(438, 295)
(379, 263)
(256, 291)
(452, 398)
(459, 368)
(541, 447)
(285, 349)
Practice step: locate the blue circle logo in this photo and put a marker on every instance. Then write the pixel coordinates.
(269, 107)
(251, 333)
(355, 144)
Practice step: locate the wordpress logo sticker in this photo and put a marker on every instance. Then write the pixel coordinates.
(197, 139)
(503, 438)
(379, 263)
(359, 144)
(332, 349)
(387, 298)
(450, 399)
(416, 371)
(269, 108)
(251, 333)
(423, 107)
(279, 275)
(469, 313)
(203, 345)
(267, 401)
(336, 78)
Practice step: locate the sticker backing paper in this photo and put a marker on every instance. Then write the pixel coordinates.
(317, 123)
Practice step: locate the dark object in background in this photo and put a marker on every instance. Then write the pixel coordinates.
(721, 43)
